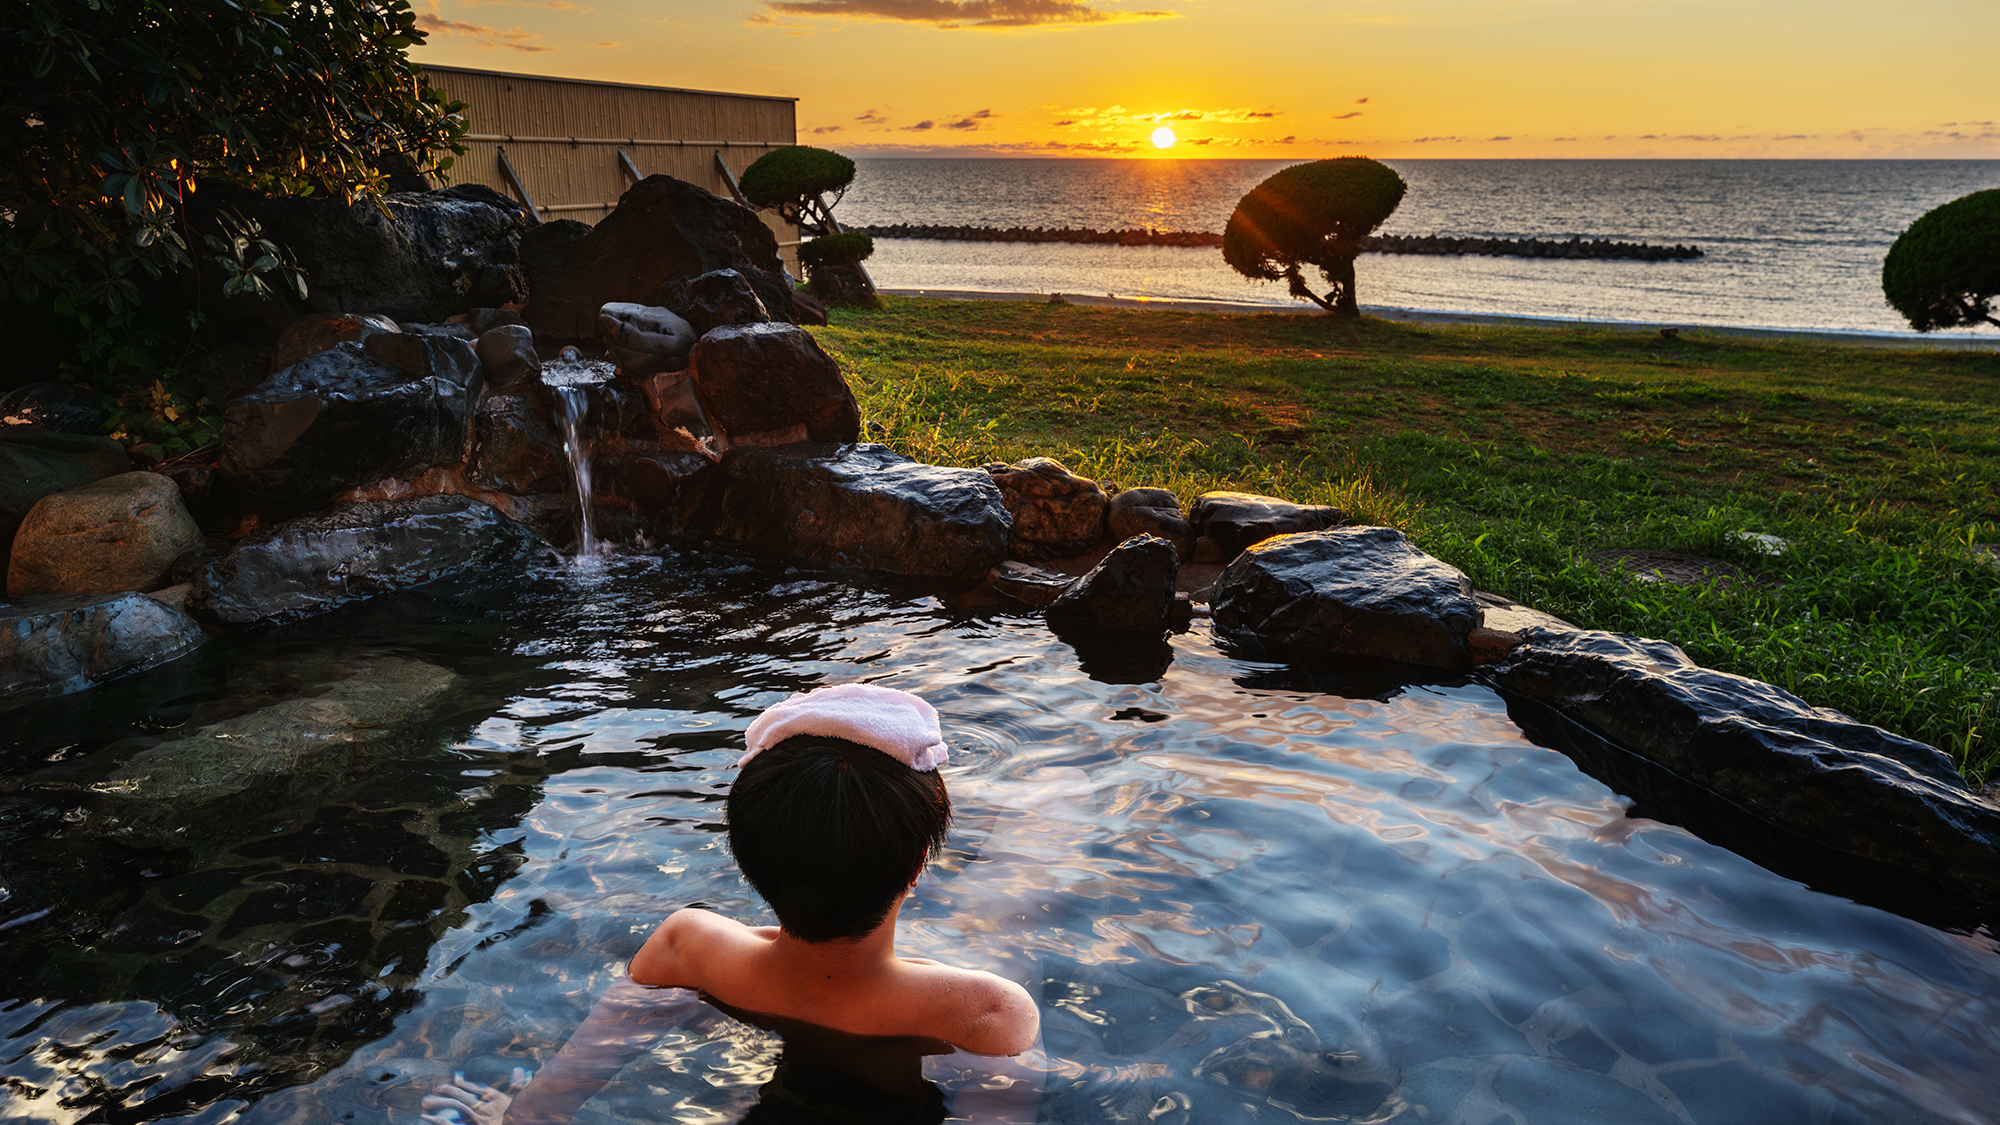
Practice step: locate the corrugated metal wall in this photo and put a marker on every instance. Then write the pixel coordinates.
(562, 137)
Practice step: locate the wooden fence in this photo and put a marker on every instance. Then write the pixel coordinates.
(570, 147)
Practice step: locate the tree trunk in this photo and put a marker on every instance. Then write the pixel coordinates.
(1344, 305)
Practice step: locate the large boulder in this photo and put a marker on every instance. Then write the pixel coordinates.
(337, 419)
(413, 256)
(65, 407)
(854, 505)
(723, 297)
(1362, 591)
(321, 562)
(316, 332)
(643, 340)
(772, 384)
(507, 357)
(35, 462)
(663, 234)
(1149, 511)
(1131, 590)
(1236, 521)
(1816, 773)
(119, 533)
(429, 355)
(1056, 513)
(57, 645)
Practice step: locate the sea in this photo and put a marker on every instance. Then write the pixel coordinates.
(1788, 244)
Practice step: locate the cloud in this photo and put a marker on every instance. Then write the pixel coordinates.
(1361, 101)
(516, 40)
(1428, 140)
(1499, 138)
(553, 5)
(1346, 116)
(965, 13)
(611, 43)
(873, 118)
(1219, 116)
(1064, 122)
(828, 128)
(920, 126)
(963, 123)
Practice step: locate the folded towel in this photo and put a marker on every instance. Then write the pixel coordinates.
(894, 722)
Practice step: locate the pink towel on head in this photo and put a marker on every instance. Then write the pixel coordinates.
(894, 722)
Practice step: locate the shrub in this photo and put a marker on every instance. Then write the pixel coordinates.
(1945, 270)
(836, 250)
(792, 179)
(1312, 215)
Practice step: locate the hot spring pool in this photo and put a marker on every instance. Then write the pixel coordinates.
(1282, 894)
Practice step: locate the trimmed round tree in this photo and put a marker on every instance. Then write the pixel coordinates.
(793, 181)
(830, 260)
(1945, 270)
(1312, 215)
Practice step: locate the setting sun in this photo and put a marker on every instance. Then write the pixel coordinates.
(1163, 137)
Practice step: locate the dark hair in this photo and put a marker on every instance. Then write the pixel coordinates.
(831, 831)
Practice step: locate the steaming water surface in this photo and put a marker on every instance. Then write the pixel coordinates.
(1274, 893)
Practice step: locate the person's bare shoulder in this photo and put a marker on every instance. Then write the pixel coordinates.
(677, 954)
(991, 1015)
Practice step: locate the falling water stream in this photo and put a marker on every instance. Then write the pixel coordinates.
(571, 378)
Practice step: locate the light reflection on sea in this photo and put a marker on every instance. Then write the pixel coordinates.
(1239, 892)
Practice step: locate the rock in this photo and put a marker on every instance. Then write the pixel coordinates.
(291, 748)
(35, 462)
(61, 407)
(1149, 511)
(58, 645)
(335, 420)
(412, 256)
(1237, 520)
(482, 321)
(456, 331)
(316, 332)
(1056, 513)
(1508, 615)
(234, 369)
(427, 356)
(1131, 590)
(119, 533)
(643, 340)
(1030, 585)
(808, 308)
(854, 505)
(772, 384)
(844, 287)
(514, 449)
(320, 562)
(1845, 785)
(507, 356)
(720, 298)
(1363, 591)
(664, 234)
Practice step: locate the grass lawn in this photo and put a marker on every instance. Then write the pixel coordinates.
(1512, 452)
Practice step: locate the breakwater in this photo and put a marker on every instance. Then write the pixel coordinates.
(1581, 248)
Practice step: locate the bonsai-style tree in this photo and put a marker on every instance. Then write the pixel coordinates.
(1945, 270)
(1312, 215)
(795, 180)
(832, 262)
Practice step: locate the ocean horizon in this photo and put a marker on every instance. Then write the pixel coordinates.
(1787, 244)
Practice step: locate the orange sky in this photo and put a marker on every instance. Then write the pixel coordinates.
(1294, 78)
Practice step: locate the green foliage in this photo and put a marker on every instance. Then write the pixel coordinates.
(792, 179)
(160, 421)
(847, 249)
(117, 112)
(1312, 215)
(1945, 270)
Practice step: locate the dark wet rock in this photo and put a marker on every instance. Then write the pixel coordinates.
(320, 562)
(1814, 772)
(1149, 511)
(482, 321)
(120, 533)
(663, 235)
(772, 384)
(808, 308)
(288, 749)
(336, 420)
(1056, 513)
(854, 505)
(316, 332)
(455, 331)
(427, 356)
(507, 357)
(638, 491)
(514, 448)
(1362, 591)
(1238, 520)
(420, 257)
(36, 462)
(644, 340)
(63, 407)
(57, 645)
(720, 298)
(844, 287)
(1029, 585)
(1132, 591)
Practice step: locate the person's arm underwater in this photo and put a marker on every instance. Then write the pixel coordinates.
(627, 1020)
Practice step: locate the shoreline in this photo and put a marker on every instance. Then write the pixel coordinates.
(1910, 340)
